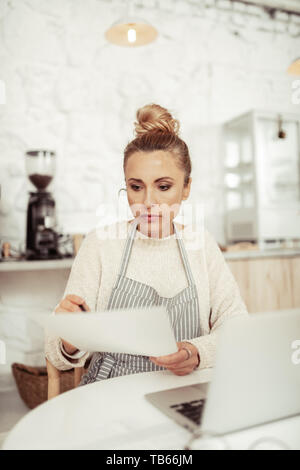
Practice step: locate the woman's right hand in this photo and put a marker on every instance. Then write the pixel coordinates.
(71, 304)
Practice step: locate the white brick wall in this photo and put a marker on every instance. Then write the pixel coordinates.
(68, 90)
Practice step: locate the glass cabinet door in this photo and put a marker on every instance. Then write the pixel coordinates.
(278, 163)
(238, 177)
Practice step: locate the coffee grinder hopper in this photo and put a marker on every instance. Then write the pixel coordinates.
(42, 239)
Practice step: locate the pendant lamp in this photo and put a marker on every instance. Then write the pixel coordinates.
(130, 31)
(294, 68)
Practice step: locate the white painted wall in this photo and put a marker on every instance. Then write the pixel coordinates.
(67, 89)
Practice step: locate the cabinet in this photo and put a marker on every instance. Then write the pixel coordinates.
(268, 284)
(262, 178)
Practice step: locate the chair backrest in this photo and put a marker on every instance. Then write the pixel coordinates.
(54, 379)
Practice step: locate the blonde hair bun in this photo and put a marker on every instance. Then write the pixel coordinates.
(153, 118)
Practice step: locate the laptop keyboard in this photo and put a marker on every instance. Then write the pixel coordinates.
(191, 410)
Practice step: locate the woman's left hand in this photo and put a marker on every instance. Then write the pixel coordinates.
(179, 363)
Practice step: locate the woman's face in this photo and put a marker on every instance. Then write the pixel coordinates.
(155, 185)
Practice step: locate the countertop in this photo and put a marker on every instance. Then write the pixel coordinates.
(66, 263)
(268, 253)
(25, 265)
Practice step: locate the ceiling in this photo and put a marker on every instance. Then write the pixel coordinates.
(284, 5)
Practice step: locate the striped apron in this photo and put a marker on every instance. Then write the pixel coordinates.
(183, 311)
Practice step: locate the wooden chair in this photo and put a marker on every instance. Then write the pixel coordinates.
(54, 379)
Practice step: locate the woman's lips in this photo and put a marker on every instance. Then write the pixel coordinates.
(150, 216)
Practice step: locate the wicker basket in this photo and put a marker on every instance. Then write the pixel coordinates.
(32, 383)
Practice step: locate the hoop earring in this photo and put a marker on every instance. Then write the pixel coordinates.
(122, 189)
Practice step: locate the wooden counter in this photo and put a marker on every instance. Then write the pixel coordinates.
(268, 283)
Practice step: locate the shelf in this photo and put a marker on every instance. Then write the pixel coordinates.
(36, 265)
(268, 253)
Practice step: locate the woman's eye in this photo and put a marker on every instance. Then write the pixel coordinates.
(162, 187)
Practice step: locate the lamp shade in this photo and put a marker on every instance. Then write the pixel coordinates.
(294, 68)
(131, 32)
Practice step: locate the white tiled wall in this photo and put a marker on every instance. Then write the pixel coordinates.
(67, 89)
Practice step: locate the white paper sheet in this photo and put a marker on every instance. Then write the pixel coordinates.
(144, 331)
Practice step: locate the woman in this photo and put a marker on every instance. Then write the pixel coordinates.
(152, 266)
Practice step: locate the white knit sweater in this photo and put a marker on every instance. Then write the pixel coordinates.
(157, 262)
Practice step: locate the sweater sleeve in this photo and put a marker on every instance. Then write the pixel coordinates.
(84, 281)
(225, 301)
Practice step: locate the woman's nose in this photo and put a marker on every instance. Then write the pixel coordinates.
(149, 200)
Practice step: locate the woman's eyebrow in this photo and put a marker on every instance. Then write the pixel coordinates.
(156, 181)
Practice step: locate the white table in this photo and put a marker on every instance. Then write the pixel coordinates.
(114, 414)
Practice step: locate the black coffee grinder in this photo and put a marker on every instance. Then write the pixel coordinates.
(41, 238)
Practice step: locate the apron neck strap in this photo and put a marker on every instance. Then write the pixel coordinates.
(128, 248)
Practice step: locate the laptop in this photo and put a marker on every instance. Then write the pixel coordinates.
(255, 380)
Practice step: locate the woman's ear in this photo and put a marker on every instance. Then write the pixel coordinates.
(186, 190)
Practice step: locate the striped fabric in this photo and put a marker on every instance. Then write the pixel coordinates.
(183, 311)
